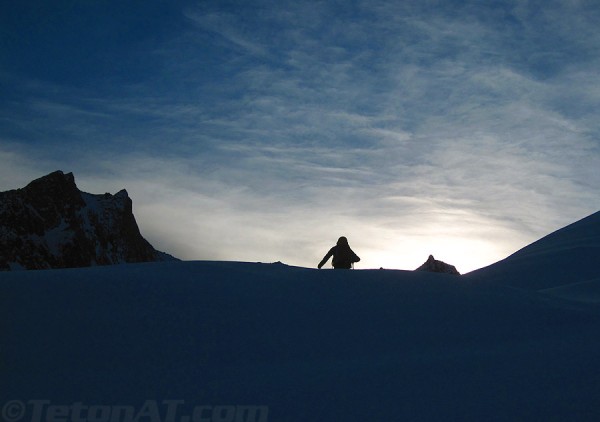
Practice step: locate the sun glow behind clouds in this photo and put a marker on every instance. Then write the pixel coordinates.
(455, 239)
(197, 218)
(407, 253)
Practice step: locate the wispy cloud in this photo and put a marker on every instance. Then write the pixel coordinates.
(228, 27)
(458, 129)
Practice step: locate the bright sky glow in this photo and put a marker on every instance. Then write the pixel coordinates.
(264, 130)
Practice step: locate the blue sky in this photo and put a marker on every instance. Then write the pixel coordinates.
(264, 130)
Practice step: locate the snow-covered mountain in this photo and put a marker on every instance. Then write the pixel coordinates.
(215, 341)
(52, 224)
(566, 260)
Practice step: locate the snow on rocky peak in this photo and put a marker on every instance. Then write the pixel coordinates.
(50, 223)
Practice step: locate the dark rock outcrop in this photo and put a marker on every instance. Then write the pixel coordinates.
(50, 223)
(435, 266)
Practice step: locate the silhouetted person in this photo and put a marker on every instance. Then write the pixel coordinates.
(343, 256)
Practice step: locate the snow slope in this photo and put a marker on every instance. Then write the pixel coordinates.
(312, 345)
(308, 345)
(568, 259)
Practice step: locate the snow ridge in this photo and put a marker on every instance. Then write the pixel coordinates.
(567, 256)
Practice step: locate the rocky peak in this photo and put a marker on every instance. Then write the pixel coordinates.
(50, 223)
(50, 196)
(55, 182)
(435, 266)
